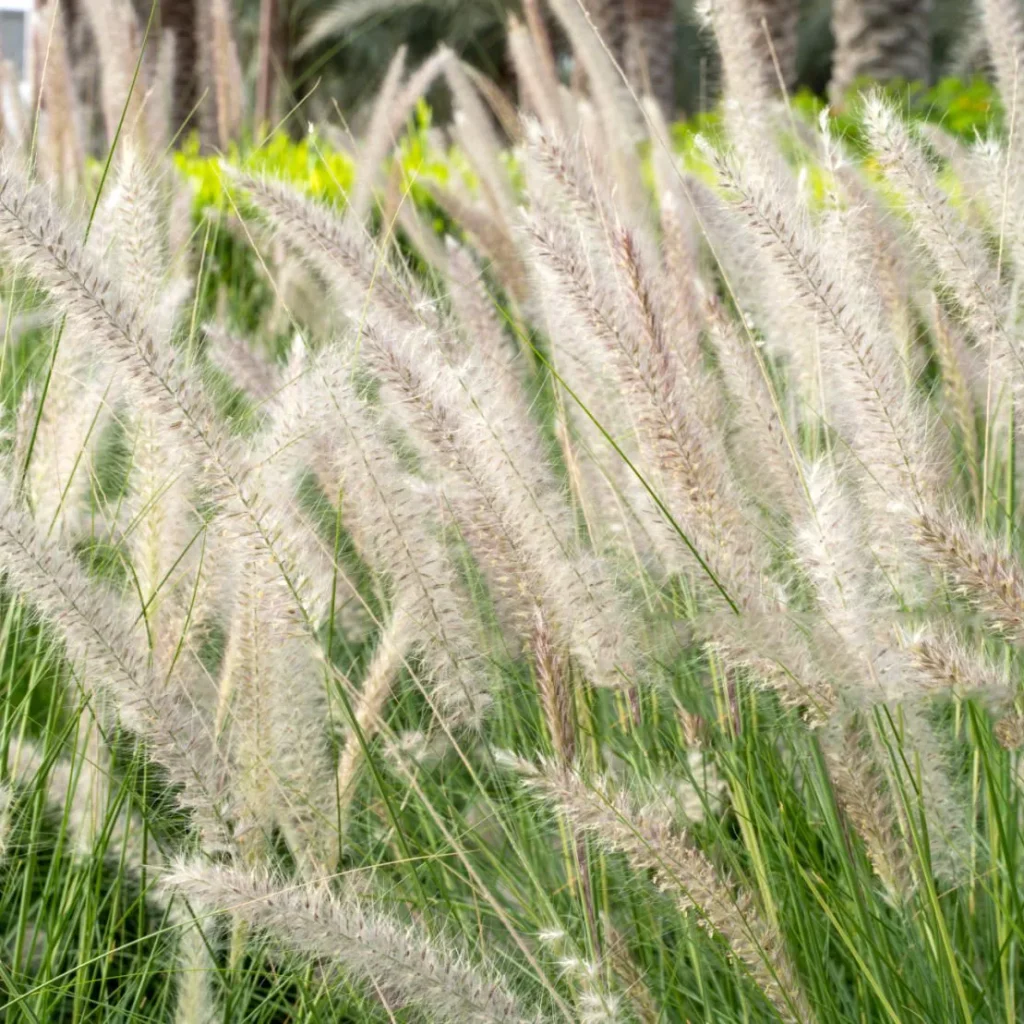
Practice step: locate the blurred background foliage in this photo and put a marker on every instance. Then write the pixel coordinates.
(341, 49)
(425, 157)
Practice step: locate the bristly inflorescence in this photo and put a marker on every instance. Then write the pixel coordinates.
(689, 497)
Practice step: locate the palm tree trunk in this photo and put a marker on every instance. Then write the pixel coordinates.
(777, 24)
(880, 39)
(273, 53)
(609, 18)
(650, 50)
(640, 35)
(179, 16)
(761, 36)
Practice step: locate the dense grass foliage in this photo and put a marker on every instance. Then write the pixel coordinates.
(575, 579)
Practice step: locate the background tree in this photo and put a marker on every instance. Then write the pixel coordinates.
(641, 35)
(878, 39)
(346, 45)
(882, 40)
(332, 56)
(272, 56)
(779, 23)
(180, 17)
